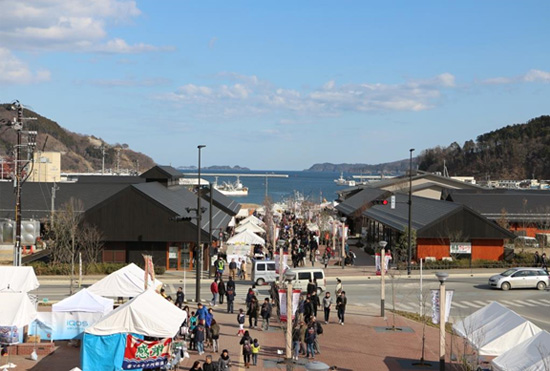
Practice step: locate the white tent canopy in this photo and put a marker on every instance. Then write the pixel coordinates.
(495, 329)
(16, 309)
(246, 238)
(253, 219)
(125, 282)
(249, 226)
(84, 301)
(531, 355)
(147, 314)
(243, 213)
(17, 279)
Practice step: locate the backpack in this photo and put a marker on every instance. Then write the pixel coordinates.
(319, 328)
(246, 346)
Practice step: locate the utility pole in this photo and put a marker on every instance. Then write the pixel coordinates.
(199, 230)
(117, 150)
(54, 189)
(210, 237)
(409, 257)
(102, 158)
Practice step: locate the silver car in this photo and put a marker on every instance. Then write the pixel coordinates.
(521, 278)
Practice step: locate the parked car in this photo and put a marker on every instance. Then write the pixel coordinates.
(524, 241)
(521, 278)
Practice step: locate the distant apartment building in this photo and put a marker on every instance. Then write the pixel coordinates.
(46, 167)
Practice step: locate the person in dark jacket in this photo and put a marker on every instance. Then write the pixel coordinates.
(221, 290)
(253, 310)
(341, 303)
(196, 366)
(230, 294)
(311, 335)
(308, 309)
(208, 365)
(246, 342)
(180, 297)
(199, 337)
(230, 284)
(265, 312)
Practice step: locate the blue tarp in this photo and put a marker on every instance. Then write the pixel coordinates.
(103, 353)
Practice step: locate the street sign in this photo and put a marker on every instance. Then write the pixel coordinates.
(461, 248)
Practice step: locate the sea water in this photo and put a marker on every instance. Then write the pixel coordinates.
(314, 186)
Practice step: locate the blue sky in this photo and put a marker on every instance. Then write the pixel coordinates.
(277, 85)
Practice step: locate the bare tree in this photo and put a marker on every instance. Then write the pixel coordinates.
(90, 242)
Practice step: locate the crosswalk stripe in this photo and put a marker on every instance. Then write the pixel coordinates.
(507, 302)
(536, 302)
(545, 301)
(525, 303)
(373, 305)
(455, 304)
(403, 305)
(482, 303)
(470, 304)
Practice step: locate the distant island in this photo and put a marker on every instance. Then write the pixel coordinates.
(215, 167)
(389, 168)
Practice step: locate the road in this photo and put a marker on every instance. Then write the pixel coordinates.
(470, 294)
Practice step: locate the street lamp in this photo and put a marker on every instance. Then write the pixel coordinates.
(442, 277)
(410, 213)
(382, 245)
(289, 277)
(199, 247)
(343, 219)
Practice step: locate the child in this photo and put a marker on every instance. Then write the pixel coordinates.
(240, 320)
(255, 351)
(192, 324)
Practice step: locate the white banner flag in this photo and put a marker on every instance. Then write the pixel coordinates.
(435, 305)
(282, 301)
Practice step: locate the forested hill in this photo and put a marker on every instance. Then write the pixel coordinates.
(517, 151)
(81, 153)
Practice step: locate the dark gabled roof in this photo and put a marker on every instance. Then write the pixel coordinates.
(451, 183)
(359, 200)
(162, 172)
(518, 205)
(36, 196)
(436, 219)
(177, 198)
(223, 202)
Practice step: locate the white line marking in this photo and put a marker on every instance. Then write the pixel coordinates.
(507, 302)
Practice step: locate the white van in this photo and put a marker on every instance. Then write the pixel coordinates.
(303, 275)
(263, 271)
(524, 241)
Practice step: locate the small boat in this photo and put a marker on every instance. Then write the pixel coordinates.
(344, 182)
(231, 189)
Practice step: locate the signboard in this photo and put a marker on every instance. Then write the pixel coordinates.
(145, 354)
(282, 301)
(461, 248)
(71, 325)
(435, 305)
(9, 335)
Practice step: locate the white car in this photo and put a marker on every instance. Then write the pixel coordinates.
(521, 278)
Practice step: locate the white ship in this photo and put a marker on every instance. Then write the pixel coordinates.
(231, 189)
(344, 182)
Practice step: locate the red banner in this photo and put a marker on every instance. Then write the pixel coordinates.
(145, 354)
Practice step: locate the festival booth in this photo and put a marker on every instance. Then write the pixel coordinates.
(495, 329)
(115, 342)
(249, 226)
(71, 316)
(253, 219)
(531, 355)
(17, 279)
(246, 237)
(126, 282)
(16, 311)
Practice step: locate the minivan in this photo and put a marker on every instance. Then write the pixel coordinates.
(524, 241)
(263, 271)
(303, 275)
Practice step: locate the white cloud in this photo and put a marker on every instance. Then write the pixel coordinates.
(14, 71)
(531, 76)
(75, 25)
(128, 82)
(250, 94)
(537, 76)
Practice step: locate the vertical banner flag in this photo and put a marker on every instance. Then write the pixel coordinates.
(145, 354)
(149, 269)
(277, 258)
(377, 261)
(282, 303)
(435, 305)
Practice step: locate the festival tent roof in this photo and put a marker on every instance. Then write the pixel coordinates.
(531, 355)
(84, 301)
(17, 279)
(495, 329)
(243, 213)
(252, 219)
(126, 282)
(147, 314)
(249, 226)
(16, 309)
(246, 238)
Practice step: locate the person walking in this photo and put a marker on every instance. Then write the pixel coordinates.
(243, 269)
(230, 294)
(266, 314)
(224, 362)
(180, 298)
(341, 303)
(339, 287)
(215, 332)
(208, 365)
(246, 342)
(311, 334)
(199, 337)
(324, 259)
(327, 304)
(240, 320)
(253, 310)
(214, 291)
(255, 351)
(544, 262)
(233, 269)
(221, 290)
(196, 366)
(537, 259)
(193, 322)
(296, 342)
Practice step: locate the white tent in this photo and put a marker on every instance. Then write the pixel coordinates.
(495, 329)
(253, 219)
(243, 213)
(246, 238)
(531, 355)
(125, 282)
(84, 301)
(147, 314)
(16, 309)
(249, 226)
(17, 279)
